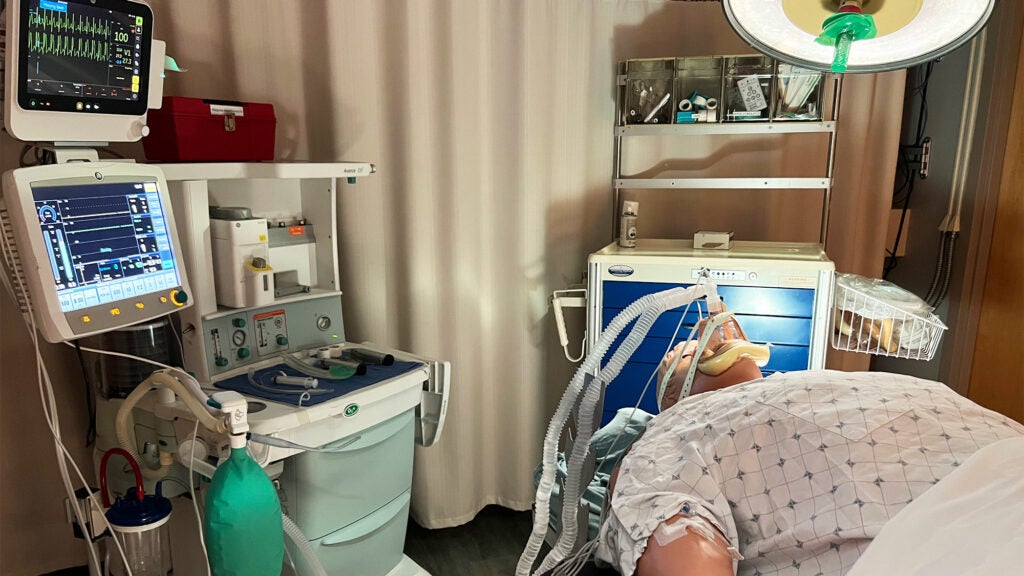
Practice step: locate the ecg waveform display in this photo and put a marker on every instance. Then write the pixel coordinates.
(105, 242)
(52, 21)
(82, 51)
(58, 45)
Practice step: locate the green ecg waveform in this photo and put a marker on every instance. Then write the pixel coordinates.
(63, 22)
(69, 46)
(69, 35)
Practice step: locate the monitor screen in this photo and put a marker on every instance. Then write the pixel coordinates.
(106, 242)
(88, 56)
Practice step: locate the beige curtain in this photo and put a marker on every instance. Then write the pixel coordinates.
(491, 125)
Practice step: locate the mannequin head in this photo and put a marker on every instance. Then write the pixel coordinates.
(743, 370)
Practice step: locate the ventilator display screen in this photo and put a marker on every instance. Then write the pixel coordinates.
(105, 242)
(84, 56)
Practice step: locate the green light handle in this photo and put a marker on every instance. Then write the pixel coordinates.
(841, 31)
(842, 57)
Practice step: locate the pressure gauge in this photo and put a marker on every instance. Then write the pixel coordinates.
(238, 338)
(323, 322)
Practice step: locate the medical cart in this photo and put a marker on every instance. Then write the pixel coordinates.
(780, 292)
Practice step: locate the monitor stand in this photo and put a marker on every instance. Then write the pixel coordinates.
(68, 152)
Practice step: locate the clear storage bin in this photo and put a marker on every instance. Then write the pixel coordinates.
(748, 88)
(698, 89)
(649, 98)
(798, 93)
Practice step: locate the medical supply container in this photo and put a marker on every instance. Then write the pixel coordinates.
(748, 88)
(649, 98)
(798, 93)
(698, 87)
(198, 130)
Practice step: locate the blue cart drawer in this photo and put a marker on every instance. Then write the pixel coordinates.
(780, 317)
(664, 326)
(635, 372)
(788, 358)
(624, 391)
(740, 299)
(762, 329)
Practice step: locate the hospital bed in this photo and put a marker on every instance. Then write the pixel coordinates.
(607, 445)
(970, 523)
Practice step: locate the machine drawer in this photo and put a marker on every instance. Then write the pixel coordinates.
(760, 329)
(324, 492)
(370, 547)
(784, 356)
(624, 391)
(798, 302)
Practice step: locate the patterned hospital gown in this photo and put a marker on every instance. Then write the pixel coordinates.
(798, 471)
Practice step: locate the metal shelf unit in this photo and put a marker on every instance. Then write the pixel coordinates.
(824, 183)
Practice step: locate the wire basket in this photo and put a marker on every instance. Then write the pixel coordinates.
(883, 326)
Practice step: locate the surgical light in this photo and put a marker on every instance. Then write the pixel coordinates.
(909, 32)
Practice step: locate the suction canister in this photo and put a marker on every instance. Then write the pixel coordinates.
(139, 523)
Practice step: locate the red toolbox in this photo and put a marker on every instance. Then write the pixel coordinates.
(197, 130)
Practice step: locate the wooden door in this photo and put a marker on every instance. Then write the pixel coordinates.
(997, 374)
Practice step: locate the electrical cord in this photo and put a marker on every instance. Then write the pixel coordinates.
(90, 406)
(177, 338)
(940, 263)
(123, 355)
(50, 415)
(922, 122)
(944, 291)
(192, 492)
(50, 409)
(48, 400)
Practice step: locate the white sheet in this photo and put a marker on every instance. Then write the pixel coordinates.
(969, 524)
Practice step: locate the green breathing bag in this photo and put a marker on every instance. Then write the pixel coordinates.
(244, 534)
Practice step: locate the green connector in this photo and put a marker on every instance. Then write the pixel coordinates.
(342, 372)
(841, 31)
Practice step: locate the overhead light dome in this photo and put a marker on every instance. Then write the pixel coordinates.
(909, 32)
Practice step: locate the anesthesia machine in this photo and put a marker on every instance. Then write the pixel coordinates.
(259, 410)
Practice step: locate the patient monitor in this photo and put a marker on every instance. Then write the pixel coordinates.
(88, 246)
(79, 70)
(96, 246)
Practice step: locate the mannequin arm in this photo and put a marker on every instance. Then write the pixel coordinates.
(689, 555)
